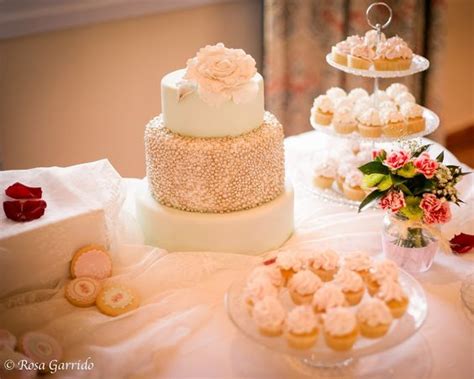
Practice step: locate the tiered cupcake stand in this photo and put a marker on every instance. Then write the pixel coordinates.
(419, 64)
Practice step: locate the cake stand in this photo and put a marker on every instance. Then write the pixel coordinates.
(320, 356)
(419, 64)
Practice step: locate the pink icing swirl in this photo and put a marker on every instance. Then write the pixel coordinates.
(374, 312)
(268, 313)
(305, 282)
(348, 280)
(328, 296)
(301, 320)
(339, 321)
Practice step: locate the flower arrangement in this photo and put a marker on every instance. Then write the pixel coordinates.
(413, 187)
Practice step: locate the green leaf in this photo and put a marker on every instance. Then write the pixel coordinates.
(408, 171)
(427, 186)
(412, 209)
(372, 180)
(440, 157)
(385, 184)
(404, 189)
(374, 167)
(421, 150)
(369, 198)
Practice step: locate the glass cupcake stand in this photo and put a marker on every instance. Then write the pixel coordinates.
(419, 64)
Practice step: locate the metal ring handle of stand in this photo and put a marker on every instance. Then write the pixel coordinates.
(378, 26)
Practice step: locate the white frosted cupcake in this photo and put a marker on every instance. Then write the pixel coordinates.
(342, 49)
(394, 296)
(379, 97)
(361, 57)
(270, 271)
(352, 186)
(325, 264)
(381, 271)
(336, 93)
(394, 123)
(413, 114)
(325, 172)
(269, 315)
(344, 121)
(303, 285)
(343, 102)
(358, 93)
(289, 264)
(351, 284)
(370, 123)
(360, 262)
(257, 289)
(395, 89)
(374, 318)
(327, 297)
(323, 110)
(387, 105)
(371, 39)
(340, 329)
(362, 105)
(301, 327)
(405, 97)
(393, 55)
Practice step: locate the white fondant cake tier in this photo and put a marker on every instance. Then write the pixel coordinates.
(251, 231)
(191, 116)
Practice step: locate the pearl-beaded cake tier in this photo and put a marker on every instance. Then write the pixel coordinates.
(215, 175)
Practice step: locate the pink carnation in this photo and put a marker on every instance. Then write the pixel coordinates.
(376, 153)
(436, 211)
(397, 159)
(393, 201)
(425, 165)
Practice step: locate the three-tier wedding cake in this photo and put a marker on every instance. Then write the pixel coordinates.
(215, 161)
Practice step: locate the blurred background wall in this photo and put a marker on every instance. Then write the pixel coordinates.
(85, 93)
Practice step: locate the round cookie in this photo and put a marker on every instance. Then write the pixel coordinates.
(82, 292)
(91, 261)
(117, 299)
(10, 368)
(7, 340)
(40, 348)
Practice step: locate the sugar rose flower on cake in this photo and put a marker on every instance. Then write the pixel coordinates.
(223, 74)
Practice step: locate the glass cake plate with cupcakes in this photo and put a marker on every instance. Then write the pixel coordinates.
(327, 317)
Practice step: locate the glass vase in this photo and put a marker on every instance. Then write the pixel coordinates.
(412, 248)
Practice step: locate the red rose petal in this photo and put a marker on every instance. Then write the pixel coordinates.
(20, 191)
(269, 261)
(462, 243)
(23, 211)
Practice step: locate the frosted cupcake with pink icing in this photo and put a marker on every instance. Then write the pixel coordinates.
(360, 262)
(325, 264)
(269, 315)
(257, 289)
(324, 172)
(370, 123)
(374, 318)
(303, 285)
(351, 284)
(344, 121)
(301, 327)
(340, 329)
(392, 293)
(352, 185)
(322, 110)
(413, 114)
(289, 263)
(393, 55)
(272, 272)
(381, 271)
(327, 297)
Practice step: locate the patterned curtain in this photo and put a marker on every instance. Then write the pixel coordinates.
(299, 33)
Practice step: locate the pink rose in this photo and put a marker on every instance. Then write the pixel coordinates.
(377, 153)
(393, 201)
(425, 165)
(397, 159)
(223, 74)
(436, 211)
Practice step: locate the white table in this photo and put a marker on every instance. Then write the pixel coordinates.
(181, 329)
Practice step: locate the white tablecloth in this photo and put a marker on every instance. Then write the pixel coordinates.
(181, 329)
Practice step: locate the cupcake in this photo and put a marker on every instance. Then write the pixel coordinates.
(371, 39)
(301, 327)
(386, 269)
(405, 97)
(340, 329)
(325, 172)
(303, 285)
(269, 315)
(395, 89)
(374, 318)
(344, 121)
(359, 262)
(289, 263)
(394, 123)
(379, 97)
(352, 186)
(343, 102)
(361, 105)
(335, 93)
(323, 110)
(342, 49)
(370, 124)
(351, 284)
(342, 170)
(257, 289)
(393, 295)
(387, 105)
(413, 114)
(272, 272)
(325, 264)
(393, 55)
(361, 57)
(358, 93)
(327, 297)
